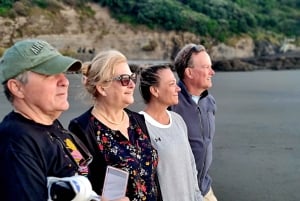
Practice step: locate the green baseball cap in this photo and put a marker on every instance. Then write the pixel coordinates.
(36, 56)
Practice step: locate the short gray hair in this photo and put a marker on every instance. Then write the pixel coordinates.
(22, 77)
(183, 58)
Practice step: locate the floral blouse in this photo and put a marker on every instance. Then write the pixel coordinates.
(136, 156)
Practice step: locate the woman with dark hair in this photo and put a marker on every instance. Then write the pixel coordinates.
(176, 168)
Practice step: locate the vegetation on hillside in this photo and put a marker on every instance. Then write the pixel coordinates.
(218, 19)
(12, 8)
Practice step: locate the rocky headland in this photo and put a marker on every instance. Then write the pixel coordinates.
(80, 35)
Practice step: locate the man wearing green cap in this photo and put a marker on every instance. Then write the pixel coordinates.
(33, 144)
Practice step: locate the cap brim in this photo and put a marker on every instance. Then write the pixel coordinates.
(58, 64)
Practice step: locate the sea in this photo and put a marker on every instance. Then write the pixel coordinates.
(257, 140)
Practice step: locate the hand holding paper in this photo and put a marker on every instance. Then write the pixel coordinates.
(115, 184)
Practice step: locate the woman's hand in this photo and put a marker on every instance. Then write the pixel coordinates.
(121, 199)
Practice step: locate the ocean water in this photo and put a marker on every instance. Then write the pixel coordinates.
(257, 141)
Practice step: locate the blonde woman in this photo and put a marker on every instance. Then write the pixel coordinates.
(115, 135)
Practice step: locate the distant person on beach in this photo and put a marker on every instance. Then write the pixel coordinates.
(197, 107)
(113, 134)
(40, 160)
(176, 168)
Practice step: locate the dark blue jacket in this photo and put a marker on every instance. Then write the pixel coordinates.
(200, 121)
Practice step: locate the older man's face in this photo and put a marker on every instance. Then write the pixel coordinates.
(46, 95)
(202, 71)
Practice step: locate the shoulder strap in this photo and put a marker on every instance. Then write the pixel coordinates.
(141, 122)
(80, 146)
(140, 119)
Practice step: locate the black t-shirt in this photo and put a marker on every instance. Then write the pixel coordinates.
(29, 153)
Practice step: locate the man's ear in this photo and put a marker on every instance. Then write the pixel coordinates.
(16, 88)
(188, 73)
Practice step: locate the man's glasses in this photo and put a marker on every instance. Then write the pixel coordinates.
(124, 79)
(195, 48)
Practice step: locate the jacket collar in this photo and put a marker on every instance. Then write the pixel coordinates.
(185, 92)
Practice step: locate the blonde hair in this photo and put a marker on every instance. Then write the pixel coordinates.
(85, 68)
(101, 69)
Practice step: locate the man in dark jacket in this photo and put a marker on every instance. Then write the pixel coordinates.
(197, 107)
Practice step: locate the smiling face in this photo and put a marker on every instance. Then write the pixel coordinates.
(122, 96)
(166, 91)
(198, 77)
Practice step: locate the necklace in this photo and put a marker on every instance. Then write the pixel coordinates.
(108, 120)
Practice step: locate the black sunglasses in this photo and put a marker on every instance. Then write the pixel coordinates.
(195, 48)
(124, 79)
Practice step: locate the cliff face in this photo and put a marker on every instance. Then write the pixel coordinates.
(81, 36)
(76, 34)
